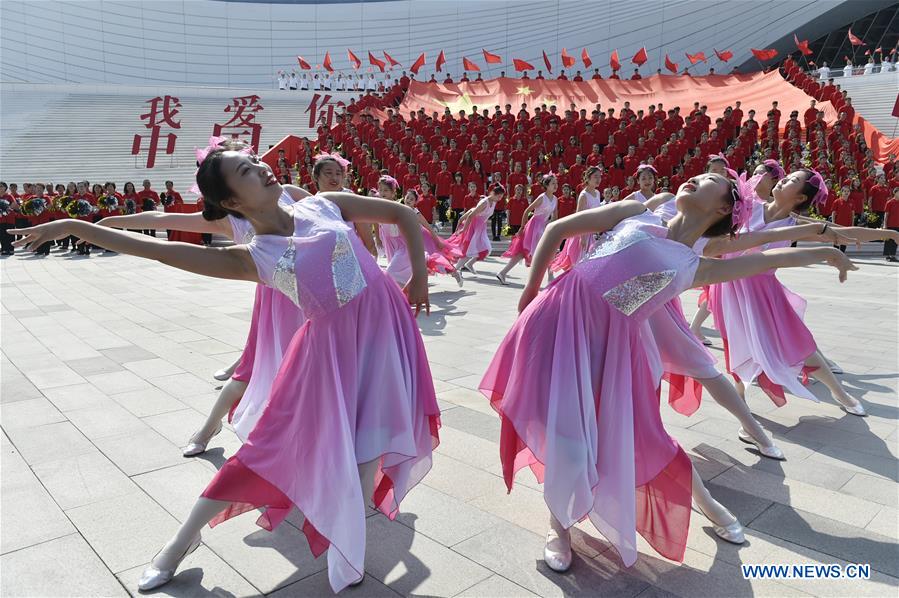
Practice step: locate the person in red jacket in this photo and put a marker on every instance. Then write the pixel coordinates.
(427, 203)
(891, 221)
(457, 199)
(147, 201)
(843, 213)
(443, 188)
(7, 219)
(517, 204)
(878, 195)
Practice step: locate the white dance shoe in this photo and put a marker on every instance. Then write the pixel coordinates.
(222, 375)
(557, 551)
(857, 409)
(772, 452)
(501, 278)
(154, 577)
(732, 532)
(196, 448)
(458, 276)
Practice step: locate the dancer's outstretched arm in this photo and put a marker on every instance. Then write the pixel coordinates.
(856, 232)
(358, 208)
(191, 223)
(234, 263)
(597, 220)
(816, 231)
(711, 271)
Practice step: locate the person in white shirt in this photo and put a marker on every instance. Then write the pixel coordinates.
(357, 83)
(282, 80)
(316, 82)
(824, 72)
(847, 70)
(370, 83)
(304, 82)
(869, 66)
(294, 81)
(327, 81)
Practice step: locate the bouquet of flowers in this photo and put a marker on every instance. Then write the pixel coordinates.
(5, 208)
(34, 206)
(166, 200)
(130, 206)
(110, 203)
(57, 204)
(149, 205)
(80, 208)
(449, 214)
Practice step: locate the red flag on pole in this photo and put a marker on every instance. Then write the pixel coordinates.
(327, 62)
(354, 59)
(441, 60)
(694, 58)
(880, 50)
(671, 66)
(391, 60)
(492, 58)
(856, 41)
(896, 107)
(766, 54)
(567, 60)
(303, 64)
(469, 65)
(521, 65)
(419, 62)
(375, 62)
(549, 66)
(586, 59)
(613, 61)
(640, 57)
(724, 56)
(802, 46)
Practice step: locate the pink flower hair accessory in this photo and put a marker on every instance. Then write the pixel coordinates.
(336, 157)
(201, 153)
(389, 181)
(642, 167)
(775, 169)
(816, 180)
(743, 193)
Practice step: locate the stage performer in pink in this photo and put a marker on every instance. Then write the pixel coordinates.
(576, 384)
(439, 256)
(472, 238)
(588, 199)
(761, 321)
(343, 427)
(544, 209)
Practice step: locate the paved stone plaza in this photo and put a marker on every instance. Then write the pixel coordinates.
(107, 365)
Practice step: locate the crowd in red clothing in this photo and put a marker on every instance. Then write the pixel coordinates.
(39, 203)
(858, 192)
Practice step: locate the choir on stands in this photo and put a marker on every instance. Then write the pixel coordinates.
(38, 203)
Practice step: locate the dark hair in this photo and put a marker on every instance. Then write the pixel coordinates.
(546, 178)
(498, 189)
(212, 183)
(589, 172)
(809, 190)
(725, 225)
(320, 164)
(133, 188)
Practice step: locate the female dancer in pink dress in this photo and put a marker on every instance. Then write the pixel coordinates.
(545, 209)
(588, 199)
(342, 426)
(472, 237)
(761, 321)
(575, 382)
(717, 164)
(439, 256)
(647, 176)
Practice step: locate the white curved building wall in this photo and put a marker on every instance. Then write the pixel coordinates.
(201, 42)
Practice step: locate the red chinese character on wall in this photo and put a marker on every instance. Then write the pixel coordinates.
(320, 109)
(243, 121)
(156, 118)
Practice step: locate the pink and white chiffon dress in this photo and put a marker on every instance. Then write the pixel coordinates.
(354, 386)
(525, 242)
(575, 246)
(473, 238)
(575, 382)
(439, 259)
(761, 323)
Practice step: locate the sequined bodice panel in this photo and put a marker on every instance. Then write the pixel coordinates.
(635, 269)
(323, 266)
